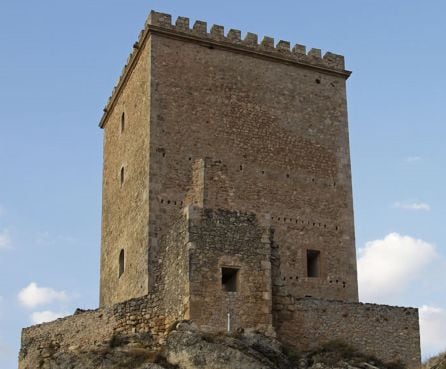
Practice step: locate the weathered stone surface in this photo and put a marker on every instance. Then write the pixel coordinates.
(188, 348)
(240, 131)
(228, 239)
(388, 333)
(125, 207)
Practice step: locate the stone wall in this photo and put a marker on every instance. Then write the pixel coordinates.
(172, 281)
(189, 285)
(387, 332)
(224, 239)
(93, 328)
(277, 136)
(125, 206)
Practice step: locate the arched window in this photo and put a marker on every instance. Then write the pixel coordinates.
(122, 176)
(121, 262)
(122, 122)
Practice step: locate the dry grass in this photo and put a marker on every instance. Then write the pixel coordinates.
(436, 362)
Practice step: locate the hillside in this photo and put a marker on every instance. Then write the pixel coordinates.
(188, 348)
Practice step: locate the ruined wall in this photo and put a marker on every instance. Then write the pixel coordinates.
(279, 132)
(217, 239)
(91, 329)
(390, 333)
(125, 207)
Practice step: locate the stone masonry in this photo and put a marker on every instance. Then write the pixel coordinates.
(227, 199)
(275, 119)
(200, 242)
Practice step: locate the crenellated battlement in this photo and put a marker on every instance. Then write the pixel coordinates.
(161, 23)
(157, 21)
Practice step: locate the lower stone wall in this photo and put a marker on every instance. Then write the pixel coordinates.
(92, 328)
(387, 332)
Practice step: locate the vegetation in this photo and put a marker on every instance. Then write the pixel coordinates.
(436, 362)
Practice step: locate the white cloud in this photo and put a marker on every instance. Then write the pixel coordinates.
(387, 266)
(413, 159)
(5, 239)
(33, 295)
(38, 317)
(432, 330)
(412, 206)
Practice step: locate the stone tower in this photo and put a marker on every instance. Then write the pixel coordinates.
(212, 120)
(227, 201)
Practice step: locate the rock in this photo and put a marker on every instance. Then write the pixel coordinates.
(188, 348)
(186, 325)
(203, 351)
(302, 363)
(436, 362)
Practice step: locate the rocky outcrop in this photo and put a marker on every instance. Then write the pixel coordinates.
(188, 348)
(436, 362)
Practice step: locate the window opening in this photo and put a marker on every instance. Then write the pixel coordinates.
(121, 262)
(122, 176)
(229, 279)
(313, 263)
(122, 122)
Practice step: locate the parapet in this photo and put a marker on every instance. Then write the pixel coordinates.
(161, 23)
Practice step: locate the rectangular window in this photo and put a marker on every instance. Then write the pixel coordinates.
(313, 263)
(229, 279)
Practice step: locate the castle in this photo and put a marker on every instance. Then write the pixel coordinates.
(227, 199)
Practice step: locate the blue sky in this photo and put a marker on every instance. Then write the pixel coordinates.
(58, 64)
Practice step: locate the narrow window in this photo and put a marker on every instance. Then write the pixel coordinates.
(121, 262)
(122, 176)
(313, 263)
(229, 279)
(122, 122)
